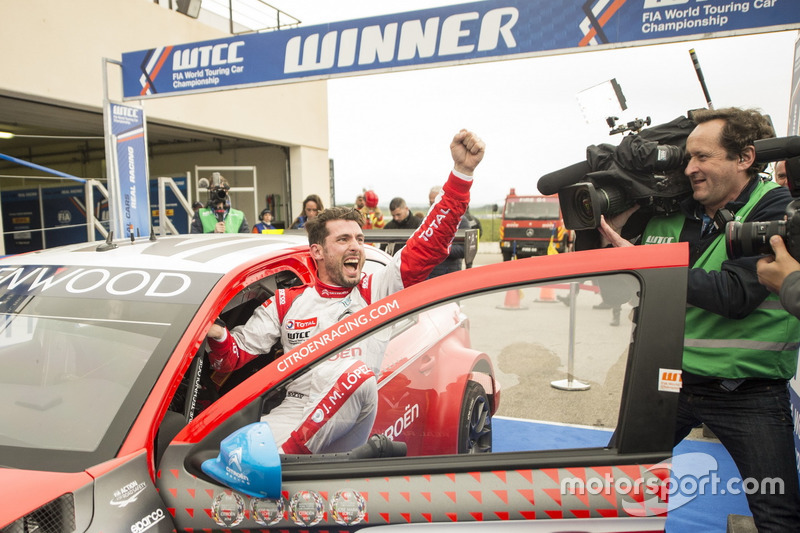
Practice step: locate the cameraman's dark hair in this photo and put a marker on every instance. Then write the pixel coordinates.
(317, 227)
(742, 128)
(396, 203)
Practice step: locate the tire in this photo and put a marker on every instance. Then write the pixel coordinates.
(475, 422)
(506, 255)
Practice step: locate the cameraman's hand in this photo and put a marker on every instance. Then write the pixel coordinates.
(219, 228)
(610, 229)
(772, 270)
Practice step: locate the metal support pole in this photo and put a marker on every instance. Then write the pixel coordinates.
(571, 383)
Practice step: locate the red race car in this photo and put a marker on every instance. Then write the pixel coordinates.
(111, 409)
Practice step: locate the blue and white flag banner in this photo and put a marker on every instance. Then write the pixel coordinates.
(126, 151)
(449, 35)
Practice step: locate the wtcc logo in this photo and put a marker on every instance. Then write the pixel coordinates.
(688, 476)
(301, 324)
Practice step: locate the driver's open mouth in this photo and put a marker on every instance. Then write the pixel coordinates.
(351, 263)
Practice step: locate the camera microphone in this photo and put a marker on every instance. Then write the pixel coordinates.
(203, 183)
(551, 183)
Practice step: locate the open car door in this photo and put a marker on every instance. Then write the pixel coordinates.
(558, 374)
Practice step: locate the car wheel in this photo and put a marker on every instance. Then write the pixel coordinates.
(475, 424)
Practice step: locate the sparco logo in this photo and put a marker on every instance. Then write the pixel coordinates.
(302, 323)
(148, 521)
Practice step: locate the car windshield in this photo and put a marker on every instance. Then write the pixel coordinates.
(80, 349)
(530, 210)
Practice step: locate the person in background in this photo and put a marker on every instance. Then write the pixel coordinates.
(219, 216)
(265, 222)
(780, 173)
(312, 205)
(373, 218)
(780, 273)
(401, 216)
(197, 206)
(360, 205)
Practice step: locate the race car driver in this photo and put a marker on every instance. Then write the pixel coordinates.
(323, 412)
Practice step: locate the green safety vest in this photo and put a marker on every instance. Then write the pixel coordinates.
(763, 344)
(233, 221)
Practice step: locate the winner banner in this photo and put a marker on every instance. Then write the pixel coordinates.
(450, 35)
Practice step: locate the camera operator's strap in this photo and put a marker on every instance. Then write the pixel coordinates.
(761, 189)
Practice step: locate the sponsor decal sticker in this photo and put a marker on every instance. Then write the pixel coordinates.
(127, 494)
(227, 509)
(267, 512)
(348, 507)
(301, 323)
(669, 380)
(306, 508)
(148, 521)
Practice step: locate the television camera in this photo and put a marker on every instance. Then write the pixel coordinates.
(218, 189)
(752, 238)
(646, 169)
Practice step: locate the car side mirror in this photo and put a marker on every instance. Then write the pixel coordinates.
(248, 462)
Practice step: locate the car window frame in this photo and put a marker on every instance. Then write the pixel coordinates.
(652, 320)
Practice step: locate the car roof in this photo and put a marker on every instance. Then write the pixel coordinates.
(210, 253)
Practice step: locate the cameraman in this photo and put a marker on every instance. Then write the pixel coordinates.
(780, 273)
(740, 346)
(218, 216)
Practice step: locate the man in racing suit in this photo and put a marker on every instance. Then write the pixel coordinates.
(332, 407)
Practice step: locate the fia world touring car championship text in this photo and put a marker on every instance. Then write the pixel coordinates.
(702, 16)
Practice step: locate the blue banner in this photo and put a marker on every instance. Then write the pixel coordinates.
(466, 33)
(130, 190)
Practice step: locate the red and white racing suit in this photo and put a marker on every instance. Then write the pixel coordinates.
(332, 408)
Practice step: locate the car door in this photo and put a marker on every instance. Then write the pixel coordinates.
(581, 417)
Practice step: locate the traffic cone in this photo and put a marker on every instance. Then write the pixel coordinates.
(512, 300)
(547, 294)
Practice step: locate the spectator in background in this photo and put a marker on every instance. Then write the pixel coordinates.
(401, 219)
(360, 205)
(454, 260)
(401, 216)
(197, 206)
(219, 216)
(373, 218)
(265, 223)
(780, 173)
(312, 205)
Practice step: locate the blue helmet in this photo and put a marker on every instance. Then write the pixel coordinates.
(248, 462)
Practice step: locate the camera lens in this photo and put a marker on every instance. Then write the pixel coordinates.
(744, 239)
(584, 207)
(612, 200)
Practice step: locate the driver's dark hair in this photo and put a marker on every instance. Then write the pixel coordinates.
(317, 227)
(742, 127)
